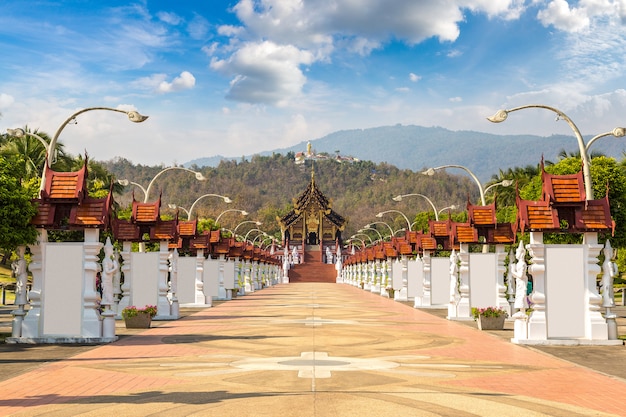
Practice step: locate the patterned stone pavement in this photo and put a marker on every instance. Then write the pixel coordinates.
(311, 350)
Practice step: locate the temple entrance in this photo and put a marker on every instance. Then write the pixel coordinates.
(312, 230)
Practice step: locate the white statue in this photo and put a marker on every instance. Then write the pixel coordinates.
(454, 277)
(329, 255)
(110, 265)
(609, 271)
(294, 256)
(521, 280)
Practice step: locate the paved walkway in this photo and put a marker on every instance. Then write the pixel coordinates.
(312, 350)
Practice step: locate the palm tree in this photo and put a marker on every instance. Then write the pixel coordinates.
(34, 153)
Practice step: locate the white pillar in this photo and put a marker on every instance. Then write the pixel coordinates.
(500, 287)
(91, 323)
(596, 328)
(537, 326)
(464, 309)
(125, 267)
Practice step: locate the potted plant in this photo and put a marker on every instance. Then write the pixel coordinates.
(489, 318)
(390, 291)
(138, 318)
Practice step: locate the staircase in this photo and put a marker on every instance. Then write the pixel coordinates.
(312, 270)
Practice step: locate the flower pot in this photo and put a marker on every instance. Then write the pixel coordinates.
(391, 293)
(140, 321)
(491, 323)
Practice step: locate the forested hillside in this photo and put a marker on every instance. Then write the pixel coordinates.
(265, 186)
(418, 147)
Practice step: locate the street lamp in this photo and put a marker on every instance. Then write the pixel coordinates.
(245, 238)
(146, 191)
(501, 116)
(389, 227)
(226, 200)
(133, 116)
(243, 213)
(395, 211)
(504, 183)
(174, 207)
(362, 234)
(401, 196)
(618, 132)
(431, 172)
(452, 207)
(244, 222)
(380, 236)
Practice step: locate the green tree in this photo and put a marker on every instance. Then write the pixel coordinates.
(16, 208)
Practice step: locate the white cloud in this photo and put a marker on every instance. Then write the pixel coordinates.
(169, 18)
(326, 27)
(559, 15)
(6, 100)
(414, 77)
(264, 72)
(455, 99)
(184, 81)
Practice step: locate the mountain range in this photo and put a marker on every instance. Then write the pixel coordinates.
(418, 148)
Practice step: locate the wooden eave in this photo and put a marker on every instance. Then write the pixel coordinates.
(45, 214)
(536, 216)
(503, 233)
(125, 230)
(481, 216)
(188, 229)
(164, 230)
(92, 213)
(439, 228)
(464, 233)
(65, 186)
(146, 213)
(595, 216)
(562, 189)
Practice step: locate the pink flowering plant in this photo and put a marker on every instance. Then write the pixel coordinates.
(488, 312)
(132, 311)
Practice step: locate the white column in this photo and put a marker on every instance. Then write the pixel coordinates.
(32, 325)
(91, 323)
(21, 299)
(221, 291)
(125, 267)
(596, 328)
(426, 296)
(200, 298)
(500, 287)
(454, 286)
(163, 304)
(537, 327)
(403, 294)
(175, 308)
(464, 309)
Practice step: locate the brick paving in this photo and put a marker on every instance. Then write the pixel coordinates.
(309, 349)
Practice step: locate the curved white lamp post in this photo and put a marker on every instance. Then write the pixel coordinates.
(242, 212)
(504, 183)
(388, 227)
(362, 234)
(226, 200)
(133, 116)
(401, 196)
(380, 236)
(501, 116)
(408, 222)
(244, 222)
(174, 207)
(431, 172)
(146, 191)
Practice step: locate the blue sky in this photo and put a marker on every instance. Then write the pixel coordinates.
(238, 77)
